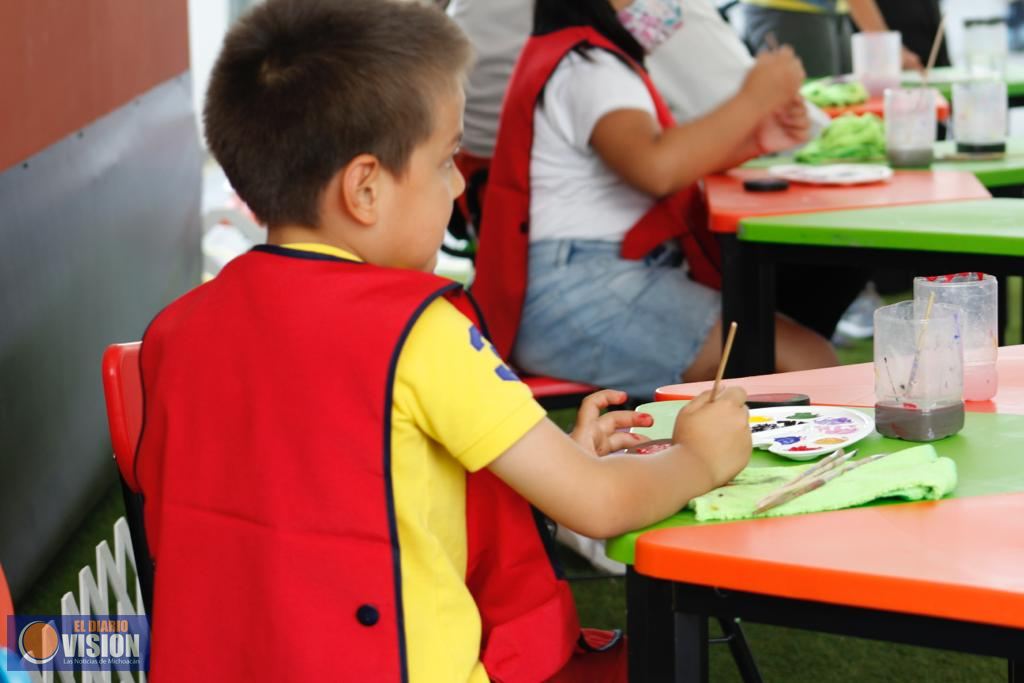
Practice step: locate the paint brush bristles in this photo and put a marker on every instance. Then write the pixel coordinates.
(725, 359)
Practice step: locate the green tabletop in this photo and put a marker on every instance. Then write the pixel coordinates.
(987, 452)
(942, 79)
(1005, 172)
(985, 226)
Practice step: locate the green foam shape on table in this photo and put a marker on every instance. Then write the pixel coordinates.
(979, 226)
(988, 453)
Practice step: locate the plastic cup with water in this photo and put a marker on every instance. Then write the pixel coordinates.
(986, 47)
(910, 126)
(876, 60)
(977, 295)
(980, 115)
(918, 371)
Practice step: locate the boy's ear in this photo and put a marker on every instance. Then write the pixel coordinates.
(360, 188)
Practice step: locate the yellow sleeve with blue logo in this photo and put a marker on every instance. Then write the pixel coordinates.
(461, 393)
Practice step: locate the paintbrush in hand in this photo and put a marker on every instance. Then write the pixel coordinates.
(725, 359)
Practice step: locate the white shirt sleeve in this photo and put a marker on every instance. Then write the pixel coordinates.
(584, 89)
(573, 194)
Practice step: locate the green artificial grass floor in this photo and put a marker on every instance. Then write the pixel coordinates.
(782, 654)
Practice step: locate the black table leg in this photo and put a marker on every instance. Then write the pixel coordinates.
(649, 627)
(748, 297)
(1015, 671)
(740, 648)
(691, 636)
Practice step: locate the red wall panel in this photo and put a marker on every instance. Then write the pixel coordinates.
(65, 63)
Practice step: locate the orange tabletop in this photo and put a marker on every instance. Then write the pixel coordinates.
(854, 385)
(876, 105)
(728, 202)
(954, 559)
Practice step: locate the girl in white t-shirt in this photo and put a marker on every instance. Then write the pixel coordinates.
(599, 162)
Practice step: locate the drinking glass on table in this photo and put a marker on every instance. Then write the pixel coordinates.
(877, 60)
(986, 47)
(910, 126)
(977, 295)
(918, 371)
(980, 116)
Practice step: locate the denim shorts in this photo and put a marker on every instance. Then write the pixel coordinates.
(592, 316)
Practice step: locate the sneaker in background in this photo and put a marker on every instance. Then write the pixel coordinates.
(858, 322)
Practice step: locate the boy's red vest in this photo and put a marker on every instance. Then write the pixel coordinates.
(501, 261)
(266, 464)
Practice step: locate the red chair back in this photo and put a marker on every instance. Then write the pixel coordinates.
(6, 607)
(122, 387)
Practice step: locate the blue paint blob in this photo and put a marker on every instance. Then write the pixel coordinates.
(786, 440)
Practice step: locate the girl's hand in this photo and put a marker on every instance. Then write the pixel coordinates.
(774, 79)
(599, 434)
(785, 128)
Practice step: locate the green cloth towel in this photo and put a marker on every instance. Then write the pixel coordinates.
(916, 473)
(848, 138)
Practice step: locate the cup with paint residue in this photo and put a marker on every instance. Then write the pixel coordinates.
(876, 60)
(977, 296)
(980, 116)
(986, 47)
(910, 126)
(918, 370)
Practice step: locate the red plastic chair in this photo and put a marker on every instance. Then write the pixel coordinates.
(554, 393)
(6, 607)
(122, 387)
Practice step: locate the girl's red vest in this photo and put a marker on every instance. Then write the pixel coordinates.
(265, 459)
(501, 261)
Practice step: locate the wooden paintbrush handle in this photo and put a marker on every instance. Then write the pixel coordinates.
(790, 492)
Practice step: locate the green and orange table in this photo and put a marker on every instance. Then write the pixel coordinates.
(729, 203)
(943, 574)
(854, 386)
(876, 106)
(984, 235)
(943, 78)
(1003, 176)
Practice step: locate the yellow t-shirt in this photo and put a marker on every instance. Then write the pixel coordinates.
(452, 411)
(813, 6)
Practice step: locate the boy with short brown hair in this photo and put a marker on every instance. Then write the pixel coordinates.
(312, 413)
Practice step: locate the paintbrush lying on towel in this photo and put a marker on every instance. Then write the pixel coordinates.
(813, 478)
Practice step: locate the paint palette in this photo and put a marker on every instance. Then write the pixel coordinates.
(833, 174)
(805, 432)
